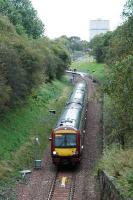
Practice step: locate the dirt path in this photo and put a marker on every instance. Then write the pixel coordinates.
(39, 185)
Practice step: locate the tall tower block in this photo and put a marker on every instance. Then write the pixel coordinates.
(98, 26)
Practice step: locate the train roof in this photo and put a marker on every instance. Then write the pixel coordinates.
(77, 97)
(80, 86)
(71, 116)
(78, 94)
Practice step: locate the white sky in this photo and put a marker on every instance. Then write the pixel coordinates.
(71, 17)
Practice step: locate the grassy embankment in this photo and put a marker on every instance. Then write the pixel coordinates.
(19, 127)
(116, 162)
(92, 68)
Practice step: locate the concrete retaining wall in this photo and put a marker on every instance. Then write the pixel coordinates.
(108, 189)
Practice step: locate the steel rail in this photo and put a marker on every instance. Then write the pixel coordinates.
(72, 188)
(50, 194)
(65, 190)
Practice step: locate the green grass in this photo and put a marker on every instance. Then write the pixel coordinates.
(118, 163)
(19, 127)
(92, 68)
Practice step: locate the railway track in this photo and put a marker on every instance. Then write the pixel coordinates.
(62, 187)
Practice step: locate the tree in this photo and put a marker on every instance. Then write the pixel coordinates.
(24, 64)
(119, 87)
(22, 14)
(13, 76)
(121, 43)
(100, 45)
(73, 43)
(128, 9)
(62, 59)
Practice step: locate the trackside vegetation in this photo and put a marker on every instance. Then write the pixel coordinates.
(94, 69)
(26, 63)
(15, 127)
(21, 126)
(23, 16)
(27, 57)
(118, 164)
(115, 49)
(31, 71)
(31, 83)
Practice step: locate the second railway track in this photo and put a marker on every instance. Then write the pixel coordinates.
(62, 187)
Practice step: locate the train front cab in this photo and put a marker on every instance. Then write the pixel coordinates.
(65, 146)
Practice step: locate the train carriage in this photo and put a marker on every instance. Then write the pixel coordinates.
(67, 136)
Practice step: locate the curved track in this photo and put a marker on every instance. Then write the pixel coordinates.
(80, 183)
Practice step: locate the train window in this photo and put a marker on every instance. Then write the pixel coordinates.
(65, 140)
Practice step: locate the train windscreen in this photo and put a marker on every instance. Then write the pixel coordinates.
(65, 140)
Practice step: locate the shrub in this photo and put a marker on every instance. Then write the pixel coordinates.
(119, 164)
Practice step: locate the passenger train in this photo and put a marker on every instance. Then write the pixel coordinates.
(67, 137)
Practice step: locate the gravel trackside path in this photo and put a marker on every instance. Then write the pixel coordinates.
(39, 183)
(85, 188)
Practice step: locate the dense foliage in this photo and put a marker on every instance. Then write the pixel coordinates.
(118, 164)
(75, 45)
(128, 9)
(100, 46)
(26, 63)
(115, 46)
(116, 50)
(29, 63)
(22, 14)
(119, 88)
(121, 43)
(21, 126)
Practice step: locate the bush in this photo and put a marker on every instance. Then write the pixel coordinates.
(25, 64)
(119, 164)
(119, 87)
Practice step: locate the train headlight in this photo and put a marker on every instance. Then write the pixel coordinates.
(54, 153)
(75, 153)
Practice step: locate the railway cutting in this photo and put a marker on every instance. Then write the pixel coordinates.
(51, 183)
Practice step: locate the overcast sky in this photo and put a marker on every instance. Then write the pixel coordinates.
(71, 17)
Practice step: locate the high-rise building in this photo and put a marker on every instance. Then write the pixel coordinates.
(98, 26)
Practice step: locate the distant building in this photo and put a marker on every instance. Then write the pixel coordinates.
(98, 26)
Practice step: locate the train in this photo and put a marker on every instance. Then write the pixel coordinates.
(68, 134)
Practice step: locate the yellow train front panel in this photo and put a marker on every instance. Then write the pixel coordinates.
(65, 152)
